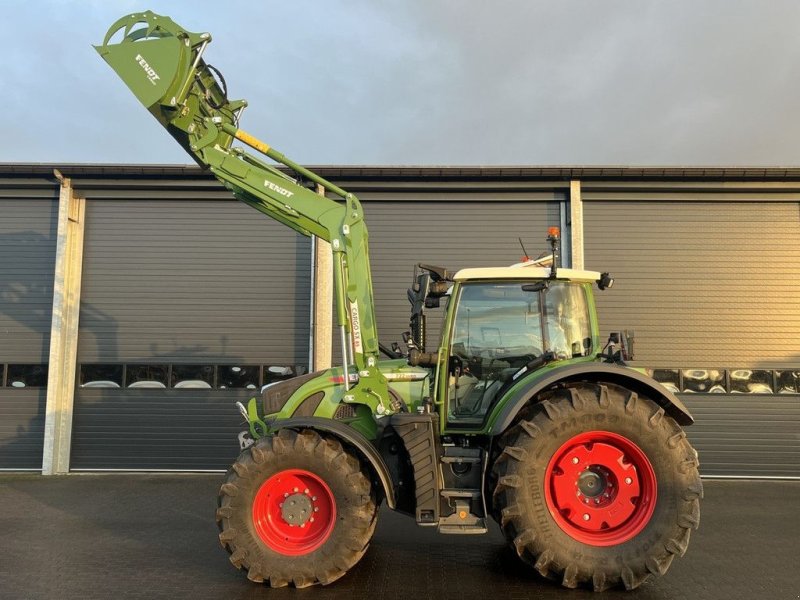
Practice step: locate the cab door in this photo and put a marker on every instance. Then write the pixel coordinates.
(496, 328)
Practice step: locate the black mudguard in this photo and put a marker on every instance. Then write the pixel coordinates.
(596, 373)
(350, 437)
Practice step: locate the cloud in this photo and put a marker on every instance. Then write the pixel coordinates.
(434, 82)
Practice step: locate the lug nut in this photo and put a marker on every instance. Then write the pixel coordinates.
(575, 460)
(296, 490)
(586, 517)
(305, 491)
(628, 480)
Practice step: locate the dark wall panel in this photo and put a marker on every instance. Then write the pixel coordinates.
(702, 283)
(22, 428)
(155, 429)
(193, 282)
(28, 229)
(746, 434)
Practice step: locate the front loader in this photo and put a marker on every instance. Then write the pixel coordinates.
(518, 414)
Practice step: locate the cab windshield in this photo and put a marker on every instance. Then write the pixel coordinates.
(500, 328)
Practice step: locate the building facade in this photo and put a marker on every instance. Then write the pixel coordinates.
(186, 300)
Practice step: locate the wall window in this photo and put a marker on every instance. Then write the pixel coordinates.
(751, 381)
(238, 377)
(192, 376)
(101, 376)
(788, 382)
(26, 376)
(146, 376)
(703, 381)
(669, 378)
(279, 373)
(728, 381)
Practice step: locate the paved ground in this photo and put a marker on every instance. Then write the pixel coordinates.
(153, 536)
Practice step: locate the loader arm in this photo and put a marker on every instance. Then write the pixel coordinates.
(163, 66)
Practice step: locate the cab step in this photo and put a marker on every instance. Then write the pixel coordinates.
(462, 521)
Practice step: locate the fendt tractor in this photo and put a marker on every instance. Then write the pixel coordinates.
(520, 413)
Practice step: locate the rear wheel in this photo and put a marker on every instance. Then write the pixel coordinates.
(596, 486)
(296, 508)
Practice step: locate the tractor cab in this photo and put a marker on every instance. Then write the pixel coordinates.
(502, 326)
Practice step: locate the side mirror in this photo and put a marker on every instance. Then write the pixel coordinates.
(605, 282)
(628, 347)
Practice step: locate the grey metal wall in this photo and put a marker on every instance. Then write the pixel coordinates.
(709, 284)
(702, 283)
(197, 281)
(172, 429)
(206, 281)
(450, 230)
(746, 434)
(27, 260)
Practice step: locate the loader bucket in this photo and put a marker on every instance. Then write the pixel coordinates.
(153, 57)
(162, 65)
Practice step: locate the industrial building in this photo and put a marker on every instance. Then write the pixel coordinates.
(189, 300)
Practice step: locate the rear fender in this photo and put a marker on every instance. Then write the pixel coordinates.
(594, 373)
(349, 437)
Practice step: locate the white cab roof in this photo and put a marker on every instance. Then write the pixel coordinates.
(521, 271)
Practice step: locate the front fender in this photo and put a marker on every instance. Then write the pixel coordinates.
(594, 373)
(350, 437)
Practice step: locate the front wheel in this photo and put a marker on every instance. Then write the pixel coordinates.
(296, 508)
(595, 485)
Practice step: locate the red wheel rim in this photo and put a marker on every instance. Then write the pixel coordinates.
(294, 512)
(600, 488)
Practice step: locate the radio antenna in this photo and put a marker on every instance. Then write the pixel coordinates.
(524, 252)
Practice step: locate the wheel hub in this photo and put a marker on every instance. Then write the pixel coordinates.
(297, 509)
(294, 512)
(600, 488)
(593, 481)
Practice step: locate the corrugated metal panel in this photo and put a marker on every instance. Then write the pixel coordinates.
(178, 281)
(702, 284)
(155, 429)
(27, 263)
(746, 434)
(21, 428)
(452, 234)
(28, 230)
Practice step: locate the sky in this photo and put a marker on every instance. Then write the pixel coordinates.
(429, 82)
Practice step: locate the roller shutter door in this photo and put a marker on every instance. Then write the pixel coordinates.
(711, 287)
(167, 282)
(27, 262)
(454, 234)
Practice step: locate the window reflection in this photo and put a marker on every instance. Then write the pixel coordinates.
(704, 381)
(101, 376)
(274, 373)
(747, 381)
(25, 376)
(146, 376)
(669, 378)
(192, 376)
(237, 377)
(788, 382)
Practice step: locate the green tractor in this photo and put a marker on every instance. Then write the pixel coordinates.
(519, 413)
